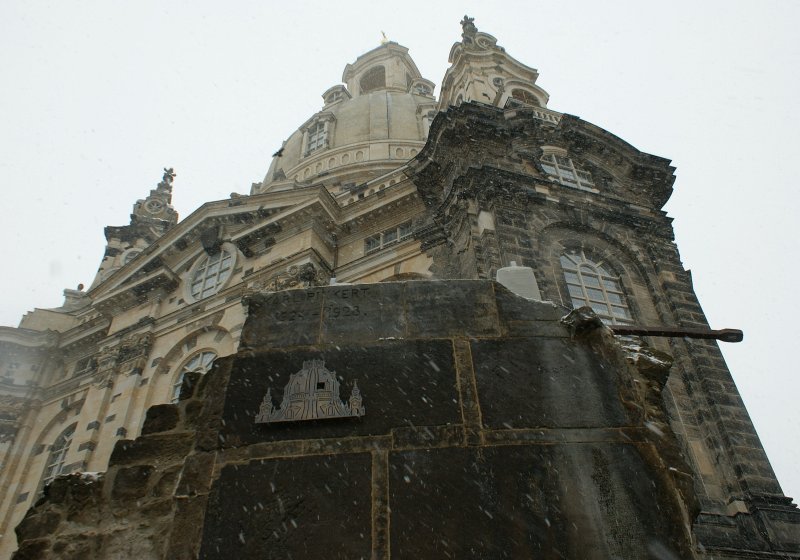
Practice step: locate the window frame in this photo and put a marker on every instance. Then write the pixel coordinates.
(202, 367)
(316, 137)
(204, 262)
(56, 456)
(317, 133)
(388, 237)
(603, 286)
(563, 170)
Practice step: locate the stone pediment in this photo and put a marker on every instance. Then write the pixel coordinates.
(240, 220)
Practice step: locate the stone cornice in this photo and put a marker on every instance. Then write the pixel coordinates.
(496, 136)
(27, 338)
(137, 291)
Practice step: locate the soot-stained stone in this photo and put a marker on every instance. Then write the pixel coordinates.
(286, 318)
(363, 312)
(160, 418)
(575, 501)
(34, 549)
(39, 525)
(369, 312)
(454, 308)
(521, 317)
(196, 474)
(545, 382)
(402, 383)
(311, 507)
(162, 447)
(131, 482)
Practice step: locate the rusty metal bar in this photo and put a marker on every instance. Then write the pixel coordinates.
(725, 335)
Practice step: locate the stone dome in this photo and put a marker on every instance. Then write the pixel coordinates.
(371, 125)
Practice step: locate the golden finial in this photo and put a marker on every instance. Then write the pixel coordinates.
(384, 39)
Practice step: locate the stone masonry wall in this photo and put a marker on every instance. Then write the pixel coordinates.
(492, 430)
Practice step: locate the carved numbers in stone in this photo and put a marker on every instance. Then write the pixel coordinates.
(311, 394)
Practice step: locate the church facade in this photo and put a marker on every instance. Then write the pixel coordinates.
(388, 183)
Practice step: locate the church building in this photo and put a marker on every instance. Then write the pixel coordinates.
(393, 194)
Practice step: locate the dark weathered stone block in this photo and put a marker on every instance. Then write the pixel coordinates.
(403, 383)
(187, 528)
(39, 525)
(464, 308)
(544, 382)
(160, 418)
(146, 449)
(131, 482)
(584, 501)
(286, 318)
(166, 482)
(310, 507)
(363, 313)
(33, 549)
(196, 475)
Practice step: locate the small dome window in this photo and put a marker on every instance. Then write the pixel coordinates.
(317, 137)
(373, 79)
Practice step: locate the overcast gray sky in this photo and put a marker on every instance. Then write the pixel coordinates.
(99, 96)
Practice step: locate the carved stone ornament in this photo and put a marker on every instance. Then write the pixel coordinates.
(311, 394)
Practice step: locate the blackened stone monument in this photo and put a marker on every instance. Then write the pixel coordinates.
(447, 419)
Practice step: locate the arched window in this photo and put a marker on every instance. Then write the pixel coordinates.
(374, 78)
(525, 96)
(565, 172)
(200, 362)
(592, 283)
(210, 274)
(58, 453)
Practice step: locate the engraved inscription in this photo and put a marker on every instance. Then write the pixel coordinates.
(296, 296)
(342, 302)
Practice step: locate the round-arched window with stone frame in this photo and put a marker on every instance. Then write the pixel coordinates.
(591, 282)
(57, 456)
(210, 274)
(200, 362)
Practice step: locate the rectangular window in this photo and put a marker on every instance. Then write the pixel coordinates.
(390, 236)
(385, 238)
(372, 243)
(316, 137)
(85, 365)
